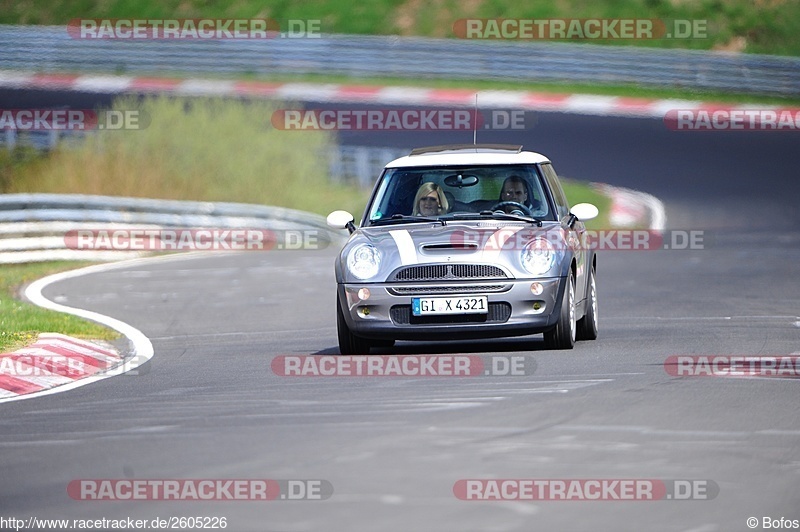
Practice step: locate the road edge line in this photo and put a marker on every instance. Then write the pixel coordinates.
(142, 347)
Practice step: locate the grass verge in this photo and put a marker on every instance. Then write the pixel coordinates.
(21, 322)
(192, 149)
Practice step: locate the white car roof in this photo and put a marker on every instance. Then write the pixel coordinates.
(467, 154)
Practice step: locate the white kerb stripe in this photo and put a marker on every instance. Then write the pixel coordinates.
(405, 245)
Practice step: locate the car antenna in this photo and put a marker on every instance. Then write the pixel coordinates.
(475, 123)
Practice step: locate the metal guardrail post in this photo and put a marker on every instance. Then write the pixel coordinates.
(33, 226)
(52, 139)
(362, 166)
(11, 139)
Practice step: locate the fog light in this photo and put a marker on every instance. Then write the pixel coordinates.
(537, 289)
(364, 311)
(363, 294)
(537, 306)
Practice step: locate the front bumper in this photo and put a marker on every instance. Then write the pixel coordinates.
(513, 309)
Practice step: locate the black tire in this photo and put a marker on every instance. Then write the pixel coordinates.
(349, 344)
(587, 325)
(562, 336)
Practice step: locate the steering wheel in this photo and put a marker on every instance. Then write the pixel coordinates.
(518, 206)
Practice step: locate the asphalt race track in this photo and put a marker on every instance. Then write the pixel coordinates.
(210, 407)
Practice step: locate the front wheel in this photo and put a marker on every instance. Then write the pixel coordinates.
(562, 336)
(349, 344)
(587, 325)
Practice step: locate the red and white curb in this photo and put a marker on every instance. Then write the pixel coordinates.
(142, 350)
(632, 208)
(585, 104)
(53, 360)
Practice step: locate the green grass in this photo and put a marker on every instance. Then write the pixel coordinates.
(21, 322)
(768, 26)
(198, 149)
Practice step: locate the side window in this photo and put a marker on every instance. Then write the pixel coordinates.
(562, 206)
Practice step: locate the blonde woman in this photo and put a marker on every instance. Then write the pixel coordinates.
(430, 200)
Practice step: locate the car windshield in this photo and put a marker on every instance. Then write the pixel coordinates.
(458, 192)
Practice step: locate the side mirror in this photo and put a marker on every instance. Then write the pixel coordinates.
(584, 211)
(341, 220)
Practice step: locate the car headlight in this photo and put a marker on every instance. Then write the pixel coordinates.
(538, 256)
(363, 261)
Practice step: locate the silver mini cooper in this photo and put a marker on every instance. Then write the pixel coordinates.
(462, 242)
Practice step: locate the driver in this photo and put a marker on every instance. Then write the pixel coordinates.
(430, 200)
(514, 189)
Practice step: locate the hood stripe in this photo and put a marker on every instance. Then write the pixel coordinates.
(405, 245)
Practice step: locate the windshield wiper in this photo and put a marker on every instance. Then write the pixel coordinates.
(507, 216)
(402, 218)
(497, 215)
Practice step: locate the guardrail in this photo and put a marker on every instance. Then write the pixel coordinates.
(50, 49)
(33, 227)
(41, 140)
(361, 165)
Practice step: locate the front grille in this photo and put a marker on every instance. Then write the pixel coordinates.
(454, 289)
(448, 272)
(499, 312)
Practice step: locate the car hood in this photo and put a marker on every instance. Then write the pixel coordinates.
(474, 242)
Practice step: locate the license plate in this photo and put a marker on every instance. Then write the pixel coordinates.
(425, 306)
